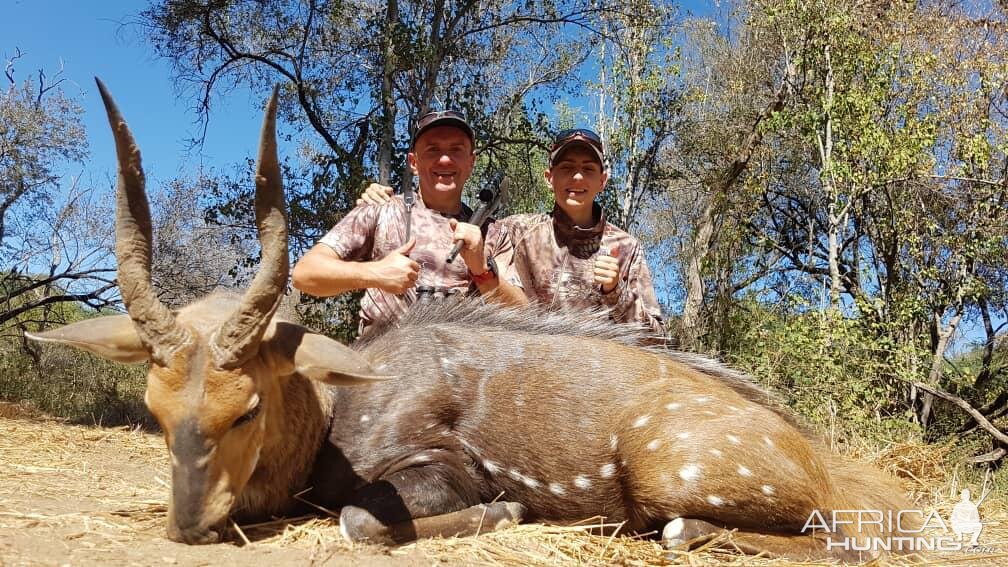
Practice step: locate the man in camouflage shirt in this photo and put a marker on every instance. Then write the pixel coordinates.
(572, 257)
(368, 249)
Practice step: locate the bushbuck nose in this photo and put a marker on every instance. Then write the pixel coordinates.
(193, 536)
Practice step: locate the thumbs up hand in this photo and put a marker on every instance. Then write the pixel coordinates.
(396, 272)
(607, 269)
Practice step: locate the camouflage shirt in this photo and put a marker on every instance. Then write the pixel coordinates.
(370, 232)
(553, 261)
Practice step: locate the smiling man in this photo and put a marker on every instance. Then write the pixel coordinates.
(572, 257)
(368, 249)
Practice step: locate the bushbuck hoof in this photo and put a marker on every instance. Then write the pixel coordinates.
(682, 531)
(357, 524)
(512, 514)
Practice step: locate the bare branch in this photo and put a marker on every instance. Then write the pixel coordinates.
(976, 415)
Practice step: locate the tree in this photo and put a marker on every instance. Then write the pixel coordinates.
(50, 251)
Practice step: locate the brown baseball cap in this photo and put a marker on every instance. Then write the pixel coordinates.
(437, 118)
(567, 138)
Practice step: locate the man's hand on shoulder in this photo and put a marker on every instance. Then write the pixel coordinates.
(375, 194)
(396, 272)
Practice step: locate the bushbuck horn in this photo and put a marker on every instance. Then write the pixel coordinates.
(154, 322)
(238, 338)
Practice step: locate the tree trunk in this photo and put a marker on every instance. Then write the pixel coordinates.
(988, 350)
(691, 327)
(387, 141)
(938, 360)
(829, 186)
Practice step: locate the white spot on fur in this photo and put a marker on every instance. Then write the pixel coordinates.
(710, 413)
(582, 482)
(689, 472)
(613, 441)
(734, 440)
(557, 488)
(470, 447)
(607, 470)
(768, 490)
(715, 500)
(716, 452)
(733, 408)
(653, 445)
(365, 418)
(744, 471)
(769, 442)
(673, 406)
(641, 421)
(701, 399)
(682, 435)
(526, 480)
(491, 467)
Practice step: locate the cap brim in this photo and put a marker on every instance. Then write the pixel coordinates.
(559, 151)
(446, 121)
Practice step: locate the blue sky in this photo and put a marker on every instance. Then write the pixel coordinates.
(96, 39)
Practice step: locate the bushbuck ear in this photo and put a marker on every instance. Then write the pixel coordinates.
(111, 337)
(318, 357)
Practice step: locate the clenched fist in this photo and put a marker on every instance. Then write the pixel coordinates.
(472, 245)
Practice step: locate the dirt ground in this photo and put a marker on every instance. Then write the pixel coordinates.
(72, 495)
(75, 495)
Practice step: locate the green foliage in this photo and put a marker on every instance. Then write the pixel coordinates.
(74, 385)
(69, 383)
(840, 379)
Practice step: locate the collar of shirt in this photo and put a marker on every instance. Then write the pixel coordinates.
(568, 234)
(464, 214)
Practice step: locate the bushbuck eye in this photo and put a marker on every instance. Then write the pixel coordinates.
(249, 416)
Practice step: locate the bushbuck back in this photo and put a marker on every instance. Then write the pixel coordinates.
(565, 414)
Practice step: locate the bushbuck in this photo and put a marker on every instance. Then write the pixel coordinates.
(564, 414)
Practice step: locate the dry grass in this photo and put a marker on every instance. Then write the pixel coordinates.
(85, 495)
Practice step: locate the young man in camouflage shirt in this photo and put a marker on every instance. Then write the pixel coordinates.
(572, 257)
(368, 249)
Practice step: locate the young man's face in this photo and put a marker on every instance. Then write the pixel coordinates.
(576, 178)
(443, 159)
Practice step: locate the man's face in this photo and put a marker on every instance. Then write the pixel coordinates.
(443, 159)
(576, 178)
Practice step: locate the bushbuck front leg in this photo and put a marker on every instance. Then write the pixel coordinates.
(423, 501)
